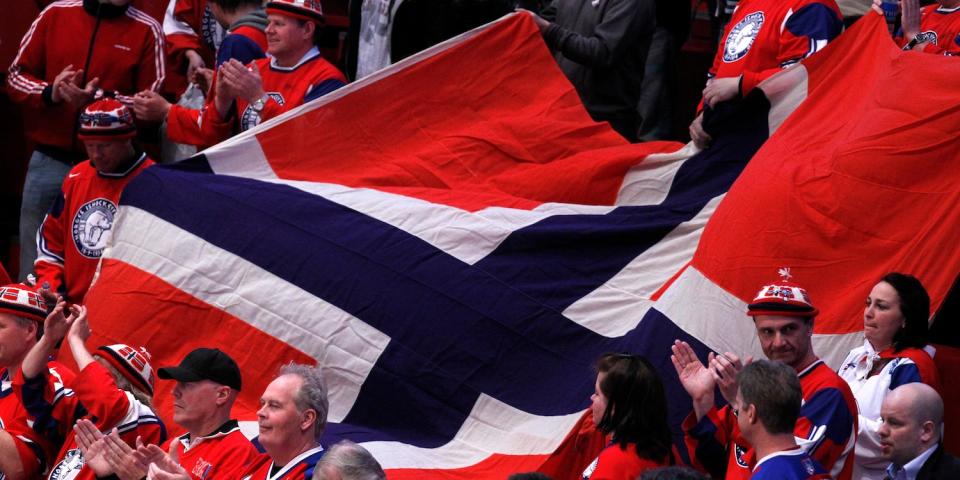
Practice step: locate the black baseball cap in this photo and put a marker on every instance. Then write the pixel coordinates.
(204, 364)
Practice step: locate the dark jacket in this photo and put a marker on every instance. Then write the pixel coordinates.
(940, 465)
(421, 24)
(601, 45)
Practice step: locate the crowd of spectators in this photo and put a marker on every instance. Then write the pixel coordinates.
(101, 101)
(208, 70)
(786, 417)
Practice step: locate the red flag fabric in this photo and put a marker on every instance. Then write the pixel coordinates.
(456, 242)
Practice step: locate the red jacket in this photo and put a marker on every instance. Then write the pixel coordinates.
(75, 231)
(126, 56)
(224, 454)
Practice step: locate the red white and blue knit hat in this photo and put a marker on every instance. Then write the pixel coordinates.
(106, 119)
(309, 10)
(23, 301)
(133, 364)
(783, 298)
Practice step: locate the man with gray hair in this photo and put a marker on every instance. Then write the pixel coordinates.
(292, 418)
(910, 434)
(348, 461)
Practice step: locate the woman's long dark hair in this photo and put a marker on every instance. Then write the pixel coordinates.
(915, 307)
(636, 405)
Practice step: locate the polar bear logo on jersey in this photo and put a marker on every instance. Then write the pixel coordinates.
(92, 225)
(69, 467)
(741, 37)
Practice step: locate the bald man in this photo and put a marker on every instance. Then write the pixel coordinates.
(348, 461)
(910, 435)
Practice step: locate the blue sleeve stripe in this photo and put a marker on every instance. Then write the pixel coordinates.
(828, 408)
(816, 21)
(322, 89)
(904, 373)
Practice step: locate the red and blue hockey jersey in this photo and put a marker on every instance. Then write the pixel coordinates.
(76, 229)
(300, 468)
(940, 29)
(33, 448)
(765, 36)
(286, 87)
(97, 398)
(826, 429)
(224, 454)
(789, 465)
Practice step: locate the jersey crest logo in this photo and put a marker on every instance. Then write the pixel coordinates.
(69, 467)
(251, 117)
(740, 452)
(929, 37)
(92, 225)
(741, 37)
(201, 468)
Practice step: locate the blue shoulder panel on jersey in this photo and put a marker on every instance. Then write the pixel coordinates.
(827, 407)
(322, 89)
(817, 21)
(904, 372)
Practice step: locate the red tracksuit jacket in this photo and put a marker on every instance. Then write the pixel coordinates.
(126, 55)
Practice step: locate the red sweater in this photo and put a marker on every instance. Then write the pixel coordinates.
(76, 230)
(616, 463)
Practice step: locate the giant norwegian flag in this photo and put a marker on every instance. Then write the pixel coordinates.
(456, 242)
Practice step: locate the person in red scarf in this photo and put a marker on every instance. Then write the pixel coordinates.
(895, 326)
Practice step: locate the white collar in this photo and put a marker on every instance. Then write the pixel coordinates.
(143, 156)
(313, 52)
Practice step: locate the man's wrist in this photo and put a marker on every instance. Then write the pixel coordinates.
(259, 102)
(50, 95)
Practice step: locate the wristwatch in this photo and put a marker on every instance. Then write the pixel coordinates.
(259, 103)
